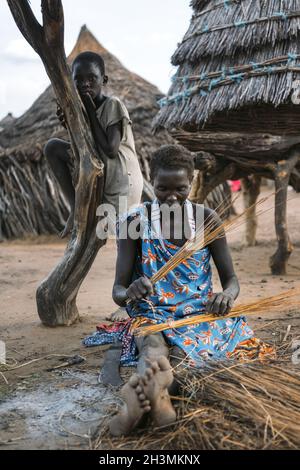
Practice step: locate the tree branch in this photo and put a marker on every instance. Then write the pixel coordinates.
(27, 23)
(53, 22)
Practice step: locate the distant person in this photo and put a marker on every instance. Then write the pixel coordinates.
(112, 131)
(235, 185)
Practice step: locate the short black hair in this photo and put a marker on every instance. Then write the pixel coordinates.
(90, 57)
(172, 156)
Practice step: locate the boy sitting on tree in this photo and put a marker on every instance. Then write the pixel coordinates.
(111, 128)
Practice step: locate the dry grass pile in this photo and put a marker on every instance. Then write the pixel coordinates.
(251, 405)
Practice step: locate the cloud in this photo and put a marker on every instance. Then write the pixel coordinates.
(158, 38)
(19, 51)
(19, 90)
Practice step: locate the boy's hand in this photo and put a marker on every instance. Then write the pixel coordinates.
(61, 116)
(139, 288)
(88, 103)
(219, 304)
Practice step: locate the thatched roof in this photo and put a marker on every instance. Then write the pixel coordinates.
(30, 200)
(8, 119)
(236, 67)
(27, 134)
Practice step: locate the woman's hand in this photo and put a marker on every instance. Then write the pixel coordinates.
(220, 304)
(140, 288)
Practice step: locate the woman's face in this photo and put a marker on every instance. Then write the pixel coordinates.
(172, 186)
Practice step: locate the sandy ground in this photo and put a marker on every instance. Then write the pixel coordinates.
(61, 409)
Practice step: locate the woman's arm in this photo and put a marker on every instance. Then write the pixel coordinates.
(123, 287)
(221, 303)
(124, 269)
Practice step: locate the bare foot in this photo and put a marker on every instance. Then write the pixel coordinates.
(157, 379)
(68, 227)
(118, 315)
(136, 405)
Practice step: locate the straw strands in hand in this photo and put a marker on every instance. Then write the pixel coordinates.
(211, 233)
(267, 305)
(206, 233)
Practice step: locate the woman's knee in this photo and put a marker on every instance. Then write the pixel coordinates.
(155, 344)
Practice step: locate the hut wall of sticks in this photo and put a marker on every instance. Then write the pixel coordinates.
(234, 99)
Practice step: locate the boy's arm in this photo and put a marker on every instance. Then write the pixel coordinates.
(221, 303)
(108, 143)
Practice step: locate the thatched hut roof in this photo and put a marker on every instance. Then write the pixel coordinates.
(237, 64)
(8, 119)
(30, 200)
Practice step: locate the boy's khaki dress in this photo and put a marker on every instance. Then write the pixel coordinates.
(123, 176)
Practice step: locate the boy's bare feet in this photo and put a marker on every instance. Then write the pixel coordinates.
(68, 227)
(157, 379)
(136, 405)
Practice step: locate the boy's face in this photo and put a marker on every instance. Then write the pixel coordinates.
(172, 186)
(88, 78)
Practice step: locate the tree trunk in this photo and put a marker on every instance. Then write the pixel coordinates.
(251, 190)
(240, 168)
(56, 295)
(282, 173)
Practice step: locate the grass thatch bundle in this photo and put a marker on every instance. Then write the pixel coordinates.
(237, 64)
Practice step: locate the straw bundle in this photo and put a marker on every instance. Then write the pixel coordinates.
(205, 234)
(237, 406)
(267, 305)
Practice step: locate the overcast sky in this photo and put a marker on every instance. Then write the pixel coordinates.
(143, 34)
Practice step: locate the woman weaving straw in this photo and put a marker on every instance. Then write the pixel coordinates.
(184, 291)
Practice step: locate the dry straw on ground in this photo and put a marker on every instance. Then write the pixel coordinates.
(228, 406)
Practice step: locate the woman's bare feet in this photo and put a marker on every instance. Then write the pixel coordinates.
(136, 405)
(157, 379)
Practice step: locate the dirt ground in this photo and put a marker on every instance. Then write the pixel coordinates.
(61, 409)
